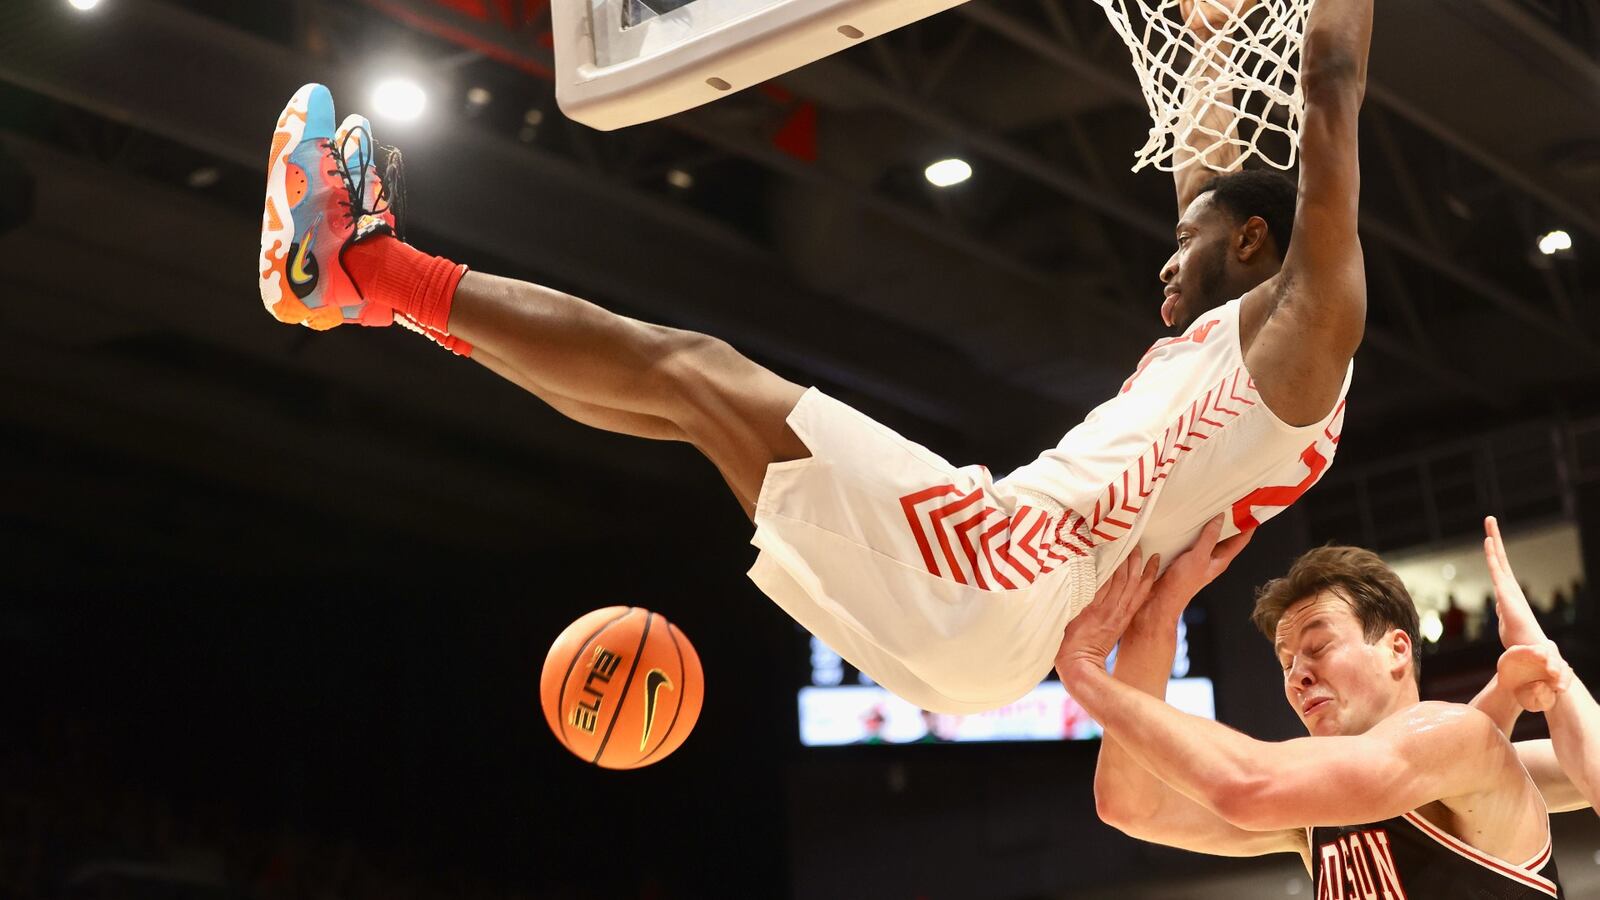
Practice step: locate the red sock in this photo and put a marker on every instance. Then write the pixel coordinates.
(448, 341)
(405, 279)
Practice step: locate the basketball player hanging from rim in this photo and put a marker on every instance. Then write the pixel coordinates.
(947, 587)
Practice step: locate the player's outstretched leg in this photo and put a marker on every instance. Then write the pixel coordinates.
(329, 257)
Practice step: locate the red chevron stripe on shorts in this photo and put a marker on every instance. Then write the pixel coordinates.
(1075, 540)
(976, 542)
(962, 535)
(909, 503)
(1026, 543)
(986, 541)
(968, 536)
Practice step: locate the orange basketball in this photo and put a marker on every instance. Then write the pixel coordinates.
(621, 687)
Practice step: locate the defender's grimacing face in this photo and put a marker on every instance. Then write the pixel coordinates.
(1337, 682)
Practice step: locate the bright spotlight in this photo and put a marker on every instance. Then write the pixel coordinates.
(400, 99)
(84, 5)
(1432, 627)
(1555, 242)
(946, 172)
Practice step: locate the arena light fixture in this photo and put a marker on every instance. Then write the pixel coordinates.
(1554, 242)
(84, 5)
(947, 172)
(399, 99)
(1432, 626)
(204, 177)
(530, 126)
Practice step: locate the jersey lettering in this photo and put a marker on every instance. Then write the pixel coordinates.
(1388, 878)
(1355, 869)
(1244, 517)
(1329, 887)
(1358, 866)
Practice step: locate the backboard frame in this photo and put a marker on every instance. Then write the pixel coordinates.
(608, 77)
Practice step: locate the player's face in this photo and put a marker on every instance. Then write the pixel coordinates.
(1196, 273)
(1337, 682)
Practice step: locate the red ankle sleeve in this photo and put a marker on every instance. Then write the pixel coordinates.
(404, 279)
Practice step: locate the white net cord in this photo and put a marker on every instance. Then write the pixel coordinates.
(1246, 68)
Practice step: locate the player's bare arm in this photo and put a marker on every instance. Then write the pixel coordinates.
(1127, 796)
(1533, 672)
(1575, 734)
(1530, 676)
(1212, 155)
(1559, 791)
(1302, 327)
(1427, 753)
(1499, 702)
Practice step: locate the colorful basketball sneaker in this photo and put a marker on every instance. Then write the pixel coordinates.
(360, 149)
(316, 207)
(355, 144)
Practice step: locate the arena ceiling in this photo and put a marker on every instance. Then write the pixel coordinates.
(982, 320)
(161, 435)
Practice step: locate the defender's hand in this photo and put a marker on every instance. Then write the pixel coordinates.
(1517, 623)
(1091, 635)
(1190, 573)
(1535, 673)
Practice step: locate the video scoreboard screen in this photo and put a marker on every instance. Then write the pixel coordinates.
(842, 705)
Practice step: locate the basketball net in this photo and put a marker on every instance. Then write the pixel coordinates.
(1245, 74)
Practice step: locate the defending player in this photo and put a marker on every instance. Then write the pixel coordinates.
(1390, 797)
(945, 586)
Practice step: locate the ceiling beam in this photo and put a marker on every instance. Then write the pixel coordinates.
(702, 124)
(1551, 45)
(1056, 53)
(1120, 86)
(1024, 162)
(688, 268)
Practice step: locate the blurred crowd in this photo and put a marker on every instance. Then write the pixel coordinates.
(72, 830)
(1557, 613)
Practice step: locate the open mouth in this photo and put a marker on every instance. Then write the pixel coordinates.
(1168, 307)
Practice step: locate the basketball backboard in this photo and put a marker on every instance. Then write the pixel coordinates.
(621, 62)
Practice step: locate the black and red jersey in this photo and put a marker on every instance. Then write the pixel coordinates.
(1410, 858)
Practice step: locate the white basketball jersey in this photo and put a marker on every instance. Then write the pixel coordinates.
(1187, 437)
(951, 589)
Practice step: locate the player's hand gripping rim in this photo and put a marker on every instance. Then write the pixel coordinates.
(1208, 19)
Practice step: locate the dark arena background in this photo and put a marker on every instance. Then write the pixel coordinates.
(275, 602)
